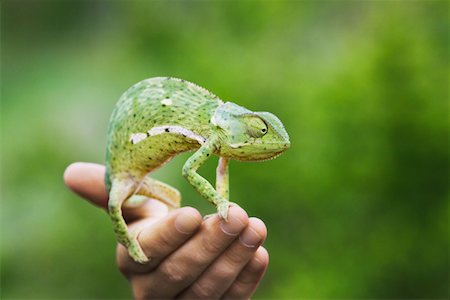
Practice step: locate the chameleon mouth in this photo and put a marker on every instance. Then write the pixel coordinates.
(271, 151)
(272, 157)
(264, 158)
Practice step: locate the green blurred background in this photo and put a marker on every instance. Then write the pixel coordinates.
(357, 208)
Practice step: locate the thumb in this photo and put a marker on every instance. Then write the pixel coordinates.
(87, 180)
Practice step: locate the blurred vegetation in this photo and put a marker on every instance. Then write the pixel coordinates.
(357, 208)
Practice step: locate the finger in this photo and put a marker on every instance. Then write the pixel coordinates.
(248, 280)
(186, 264)
(148, 212)
(215, 281)
(160, 239)
(87, 180)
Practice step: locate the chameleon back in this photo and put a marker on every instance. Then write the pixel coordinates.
(152, 103)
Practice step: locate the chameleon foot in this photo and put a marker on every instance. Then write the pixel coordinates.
(136, 252)
(222, 209)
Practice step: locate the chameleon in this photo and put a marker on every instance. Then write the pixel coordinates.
(160, 117)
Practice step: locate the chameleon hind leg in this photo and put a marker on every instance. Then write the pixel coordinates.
(121, 190)
(158, 190)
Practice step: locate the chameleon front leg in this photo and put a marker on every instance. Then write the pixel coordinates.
(222, 182)
(201, 184)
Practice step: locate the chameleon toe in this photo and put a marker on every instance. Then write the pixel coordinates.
(136, 253)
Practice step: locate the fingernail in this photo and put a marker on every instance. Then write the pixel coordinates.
(250, 238)
(186, 223)
(232, 227)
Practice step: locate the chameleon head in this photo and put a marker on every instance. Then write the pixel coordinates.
(249, 136)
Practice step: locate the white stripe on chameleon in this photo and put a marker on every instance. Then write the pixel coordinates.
(177, 130)
(166, 101)
(137, 137)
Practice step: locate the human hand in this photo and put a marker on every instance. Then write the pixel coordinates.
(189, 257)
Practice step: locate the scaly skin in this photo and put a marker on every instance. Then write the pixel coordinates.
(161, 117)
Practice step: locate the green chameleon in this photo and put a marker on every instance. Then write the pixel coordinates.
(161, 117)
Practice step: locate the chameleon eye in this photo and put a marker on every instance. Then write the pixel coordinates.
(256, 127)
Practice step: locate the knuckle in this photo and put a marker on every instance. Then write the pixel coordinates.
(203, 290)
(138, 292)
(237, 258)
(199, 258)
(209, 247)
(237, 290)
(122, 267)
(225, 272)
(251, 273)
(174, 274)
(165, 241)
(121, 259)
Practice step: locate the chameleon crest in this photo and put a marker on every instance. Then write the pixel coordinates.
(161, 117)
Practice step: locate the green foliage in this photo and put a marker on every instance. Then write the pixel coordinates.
(357, 208)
